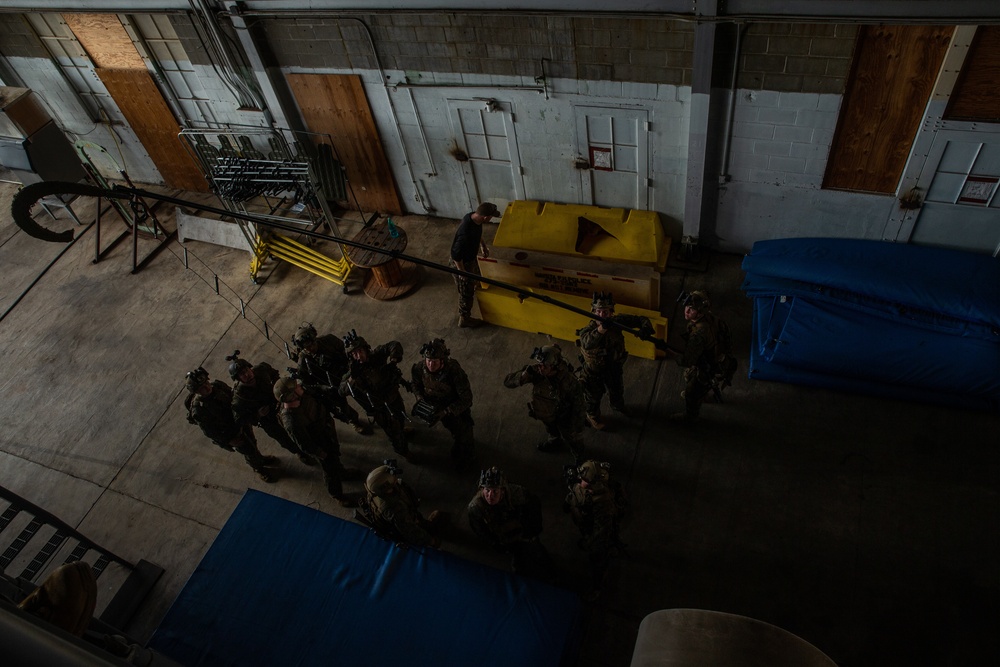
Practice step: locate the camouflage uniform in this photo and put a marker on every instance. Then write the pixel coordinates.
(557, 400)
(394, 508)
(374, 383)
(449, 391)
(312, 429)
(698, 362)
(603, 355)
(511, 526)
(322, 369)
(214, 415)
(254, 405)
(596, 505)
(516, 518)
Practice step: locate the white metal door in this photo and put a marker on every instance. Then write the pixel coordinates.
(484, 132)
(616, 144)
(959, 184)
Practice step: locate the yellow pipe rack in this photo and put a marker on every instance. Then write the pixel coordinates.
(300, 255)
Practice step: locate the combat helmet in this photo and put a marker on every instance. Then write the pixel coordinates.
(195, 379)
(603, 300)
(237, 365)
(436, 349)
(284, 389)
(383, 478)
(353, 341)
(698, 300)
(550, 355)
(305, 334)
(595, 473)
(492, 478)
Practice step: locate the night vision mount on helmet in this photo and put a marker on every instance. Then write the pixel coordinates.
(603, 301)
(383, 478)
(305, 334)
(196, 378)
(697, 299)
(237, 365)
(352, 342)
(435, 349)
(550, 355)
(491, 478)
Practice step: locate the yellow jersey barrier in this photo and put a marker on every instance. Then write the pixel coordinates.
(610, 234)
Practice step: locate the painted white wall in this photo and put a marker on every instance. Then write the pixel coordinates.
(42, 76)
(418, 137)
(780, 146)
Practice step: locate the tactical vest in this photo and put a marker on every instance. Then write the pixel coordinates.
(437, 386)
(599, 349)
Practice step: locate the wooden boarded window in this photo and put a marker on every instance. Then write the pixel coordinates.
(975, 96)
(892, 78)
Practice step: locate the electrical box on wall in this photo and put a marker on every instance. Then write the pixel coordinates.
(31, 144)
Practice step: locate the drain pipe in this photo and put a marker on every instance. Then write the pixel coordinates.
(727, 138)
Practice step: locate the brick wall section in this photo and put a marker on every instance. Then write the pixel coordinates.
(805, 58)
(643, 50)
(17, 40)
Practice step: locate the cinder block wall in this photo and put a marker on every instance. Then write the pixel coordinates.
(643, 50)
(795, 57)
(17, 39)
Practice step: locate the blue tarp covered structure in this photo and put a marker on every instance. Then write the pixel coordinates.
(285, 584)
(889, 319)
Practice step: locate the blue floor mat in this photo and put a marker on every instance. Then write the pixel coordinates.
(284, 584)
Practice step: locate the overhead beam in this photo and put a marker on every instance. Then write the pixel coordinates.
(951, 11)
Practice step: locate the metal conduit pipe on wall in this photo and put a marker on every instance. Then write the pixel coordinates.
(381, 73)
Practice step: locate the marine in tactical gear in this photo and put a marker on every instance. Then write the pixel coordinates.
(392, 508)
(210, 405)
(509, 519)
(603, 355)
(373, 379)
(597, 506)
(254, 403)
(703, 360)
(311, 428)
(557, 398)
(323, 361)
(444, 394)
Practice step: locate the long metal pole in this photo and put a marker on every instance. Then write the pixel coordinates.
(27, 196)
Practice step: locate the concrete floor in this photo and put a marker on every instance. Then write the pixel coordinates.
(868, 527)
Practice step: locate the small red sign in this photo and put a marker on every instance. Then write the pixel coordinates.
(600, 158)
(978, 190)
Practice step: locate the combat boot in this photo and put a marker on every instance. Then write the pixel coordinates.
(620, 409)
(268, 476)
(362, 427)
(469, 322)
